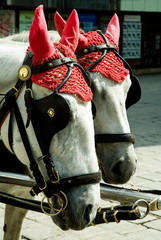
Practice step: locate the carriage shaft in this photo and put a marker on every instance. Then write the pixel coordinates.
(16, 179)
(108, 192)
(127, 196)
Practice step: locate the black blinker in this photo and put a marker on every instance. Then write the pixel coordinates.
(50, 115)
(134, 93)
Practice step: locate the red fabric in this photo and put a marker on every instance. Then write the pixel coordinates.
(76, 84)
(39, 37)
(60, 25)
(70, 32)
(110, 66)
(113, 29)
(45, 51)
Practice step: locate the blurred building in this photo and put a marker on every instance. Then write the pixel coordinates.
(140, 40)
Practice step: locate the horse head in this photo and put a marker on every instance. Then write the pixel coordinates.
(59, 122)
(115, 88)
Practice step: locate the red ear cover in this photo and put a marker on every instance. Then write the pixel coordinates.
(39, 39)
(60, 25)
(70, 32)
(113, 28)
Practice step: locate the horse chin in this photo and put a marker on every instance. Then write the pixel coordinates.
(61, 221)
(115, 180)
(66, 222)
(81, 208)
(117, 162)
(111, 178)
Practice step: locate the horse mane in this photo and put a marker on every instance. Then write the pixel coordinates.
(11, 58)
(24, 36)
(13, 49)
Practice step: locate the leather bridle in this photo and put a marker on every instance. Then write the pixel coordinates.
(106, 137)
(54, 183)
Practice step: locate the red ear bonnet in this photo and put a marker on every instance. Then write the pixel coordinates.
(70, 32)
(39, 39)
(114, 29)
(60, 25)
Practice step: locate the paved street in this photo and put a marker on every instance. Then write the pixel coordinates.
(145, 121)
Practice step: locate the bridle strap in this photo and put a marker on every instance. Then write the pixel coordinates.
(25, 140)
(113, 138)
(53, 64)
(67, 182)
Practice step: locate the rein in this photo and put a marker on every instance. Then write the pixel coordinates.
(109, 138)
(54, 184)
(104, 215)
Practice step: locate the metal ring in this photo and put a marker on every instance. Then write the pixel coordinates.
(48, 214)
(55, 209)
(136, 204)
(57, 195)
(58, 210)
(66, 200)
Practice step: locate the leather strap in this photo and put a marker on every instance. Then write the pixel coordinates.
(112, 138)
(53, 64)
(105, 215)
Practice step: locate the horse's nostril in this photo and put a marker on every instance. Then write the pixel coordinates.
(117, 169)
(87, 212)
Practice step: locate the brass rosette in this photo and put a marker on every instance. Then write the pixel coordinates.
(24, 72)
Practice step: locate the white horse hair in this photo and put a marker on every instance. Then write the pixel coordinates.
(24, 36)
(73, 148)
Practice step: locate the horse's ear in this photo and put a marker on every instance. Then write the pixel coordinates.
(39, 39)
(60, 25)
(70, 32)
(114, 28)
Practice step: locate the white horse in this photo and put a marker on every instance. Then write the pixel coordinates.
(72, 149)
(113, 88)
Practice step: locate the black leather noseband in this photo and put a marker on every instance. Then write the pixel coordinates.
(114, 138)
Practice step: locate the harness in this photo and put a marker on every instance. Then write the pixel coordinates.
(133, 95)
(52, 110)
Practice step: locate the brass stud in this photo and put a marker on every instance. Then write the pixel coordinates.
(24, 72)
(85, 50)
(99, 31)
(50, 64)
(51, 112)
